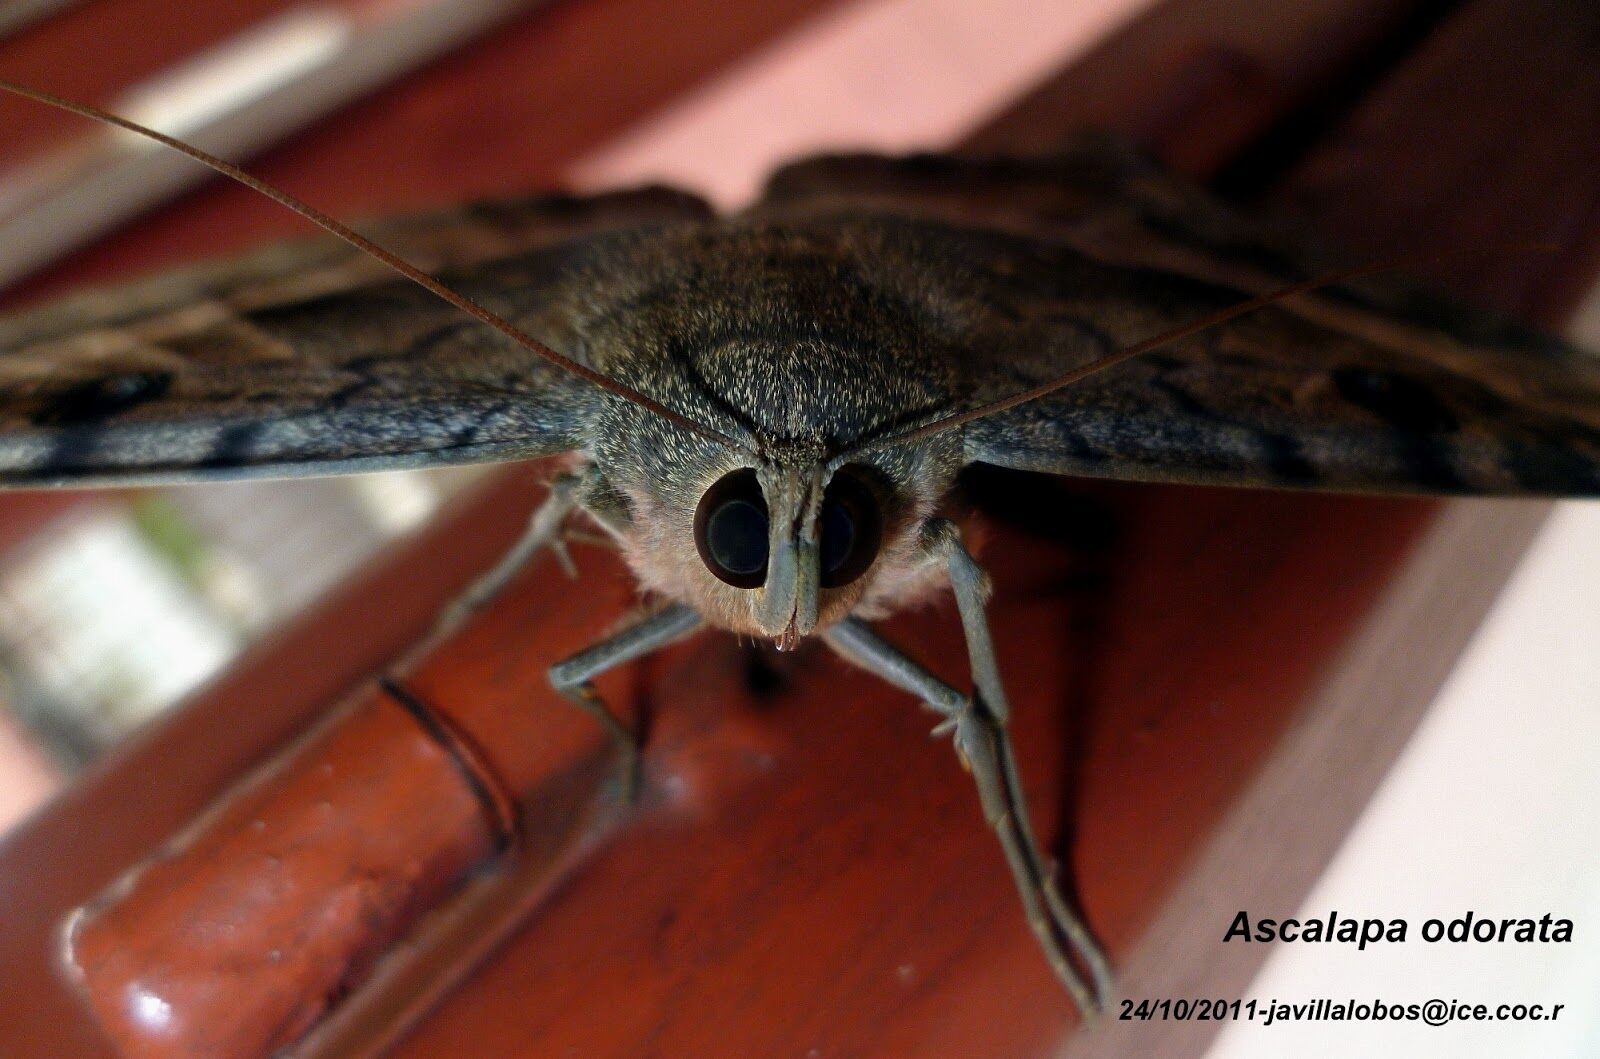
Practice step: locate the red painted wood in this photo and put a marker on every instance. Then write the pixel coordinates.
(238, 944)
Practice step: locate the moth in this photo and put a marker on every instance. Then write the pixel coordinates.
(766, 412)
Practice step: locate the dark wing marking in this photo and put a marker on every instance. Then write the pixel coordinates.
(309, 358)
(1056, 262)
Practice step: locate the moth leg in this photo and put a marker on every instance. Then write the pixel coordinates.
(605, 506)
(544, 531)
(572, 677)
(985, 749)
(970, 586)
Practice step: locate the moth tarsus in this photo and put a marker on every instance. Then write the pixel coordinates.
(768, 410)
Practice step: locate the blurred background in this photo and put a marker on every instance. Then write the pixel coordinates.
(116, 605)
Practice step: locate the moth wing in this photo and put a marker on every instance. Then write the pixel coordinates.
(1048, 264)
(311, 358)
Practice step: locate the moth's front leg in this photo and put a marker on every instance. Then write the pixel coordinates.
(588, 490)
(567, 493)
(978, 723)
(572, 677)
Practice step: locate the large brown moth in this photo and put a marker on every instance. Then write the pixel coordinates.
(766, 411)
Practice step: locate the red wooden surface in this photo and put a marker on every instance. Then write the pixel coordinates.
(812, 870)
(807, 871)
(291, 875)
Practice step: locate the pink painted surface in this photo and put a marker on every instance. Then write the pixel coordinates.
(893, 75)
(27, 777)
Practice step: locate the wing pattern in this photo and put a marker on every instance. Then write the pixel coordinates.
(309, 358)
(306, 358)
(1068, 259)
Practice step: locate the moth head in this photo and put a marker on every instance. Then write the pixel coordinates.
(788, 547)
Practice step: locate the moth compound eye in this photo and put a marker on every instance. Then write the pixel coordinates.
(730, 530)
(838, 537)
(851, 523)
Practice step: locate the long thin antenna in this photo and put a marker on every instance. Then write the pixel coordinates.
(1204, 323)
(394, 261)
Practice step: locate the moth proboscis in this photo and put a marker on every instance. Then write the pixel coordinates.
(767, 411)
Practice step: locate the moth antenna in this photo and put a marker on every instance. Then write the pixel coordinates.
(389, 258)
(1204, 323)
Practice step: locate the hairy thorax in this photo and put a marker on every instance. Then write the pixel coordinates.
(798, 345)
